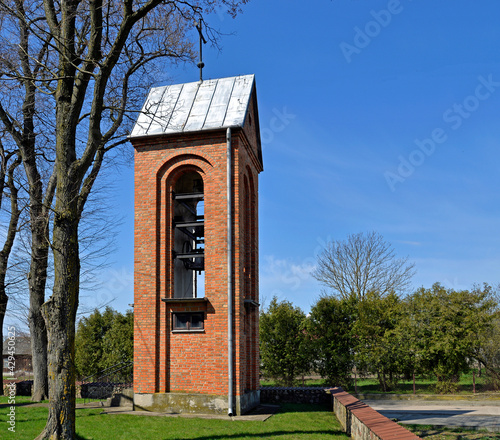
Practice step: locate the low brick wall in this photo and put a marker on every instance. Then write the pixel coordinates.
(312, 395)
(364, 423)
(101, 390)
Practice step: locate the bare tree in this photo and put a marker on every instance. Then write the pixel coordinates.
(71, 71)
(25, 86)
(363, 263)
(9, 161)
(97, 240)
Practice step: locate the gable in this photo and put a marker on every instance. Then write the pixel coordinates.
(251, 128)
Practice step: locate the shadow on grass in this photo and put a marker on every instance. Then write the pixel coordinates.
(272, 434)
(301, 407)
(78, 437)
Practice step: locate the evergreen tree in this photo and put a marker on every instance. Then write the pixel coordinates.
(284, 349)
(103, 340)
(332, 341)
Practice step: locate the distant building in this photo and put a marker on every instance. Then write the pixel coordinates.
(22, 355)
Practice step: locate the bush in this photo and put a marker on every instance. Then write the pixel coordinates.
(103, 340)
(446, 387)
(284, 350)
(329, 330)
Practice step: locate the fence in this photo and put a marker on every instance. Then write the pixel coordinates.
(312, 395)
(106, 383)
(475, 381)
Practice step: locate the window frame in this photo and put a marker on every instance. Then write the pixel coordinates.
(189, 322)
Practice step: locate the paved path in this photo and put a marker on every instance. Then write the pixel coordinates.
(458, 413)
(261, 413)
(452, 414)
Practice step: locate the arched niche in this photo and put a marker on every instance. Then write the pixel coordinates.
(189, 236)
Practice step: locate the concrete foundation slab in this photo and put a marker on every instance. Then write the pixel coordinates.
(191, 403)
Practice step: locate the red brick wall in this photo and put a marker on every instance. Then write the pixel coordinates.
(194, 362)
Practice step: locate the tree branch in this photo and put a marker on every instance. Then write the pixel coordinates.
(51, 14)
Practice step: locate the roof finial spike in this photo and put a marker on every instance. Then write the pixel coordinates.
(200, 64)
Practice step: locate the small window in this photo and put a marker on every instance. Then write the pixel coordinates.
(188, 321)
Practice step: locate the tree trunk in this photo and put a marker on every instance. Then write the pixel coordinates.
(26, 141)
(60, 315)
(3, 297)
(11, 235)
(37, 279)
(382, 380)
(38, 333)
(3, 308)
(59, 311)
(489, 366)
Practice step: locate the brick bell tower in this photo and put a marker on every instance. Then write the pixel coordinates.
(196, 287)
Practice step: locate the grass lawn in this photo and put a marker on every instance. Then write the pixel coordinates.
(425, 385)
(422, 385)
(292, 422)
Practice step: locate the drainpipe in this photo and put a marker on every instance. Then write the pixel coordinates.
(230, 396)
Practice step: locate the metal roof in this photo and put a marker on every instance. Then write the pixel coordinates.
(196, 106)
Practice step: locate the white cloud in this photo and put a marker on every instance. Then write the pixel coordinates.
(287, 279)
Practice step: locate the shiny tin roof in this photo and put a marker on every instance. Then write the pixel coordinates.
(209, 105)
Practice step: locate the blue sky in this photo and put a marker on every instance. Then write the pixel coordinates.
(375, 116)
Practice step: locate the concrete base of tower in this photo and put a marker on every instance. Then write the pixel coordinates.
(248, 401)
(191, 403)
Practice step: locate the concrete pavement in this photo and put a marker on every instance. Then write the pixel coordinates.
(445, 413)
(452, 414)
(261, 413)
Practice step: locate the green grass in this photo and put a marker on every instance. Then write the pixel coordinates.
(372, 386)
(18, 378)
(368, 386)
(433, 433)
(422, 385)
(298, 383)
(292, 422)
(27, 399)
(19, 399)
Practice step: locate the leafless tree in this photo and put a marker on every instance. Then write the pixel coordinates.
(27, 117)
(9, 161)
(70, 71)
(363, 263)
(97, 240)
